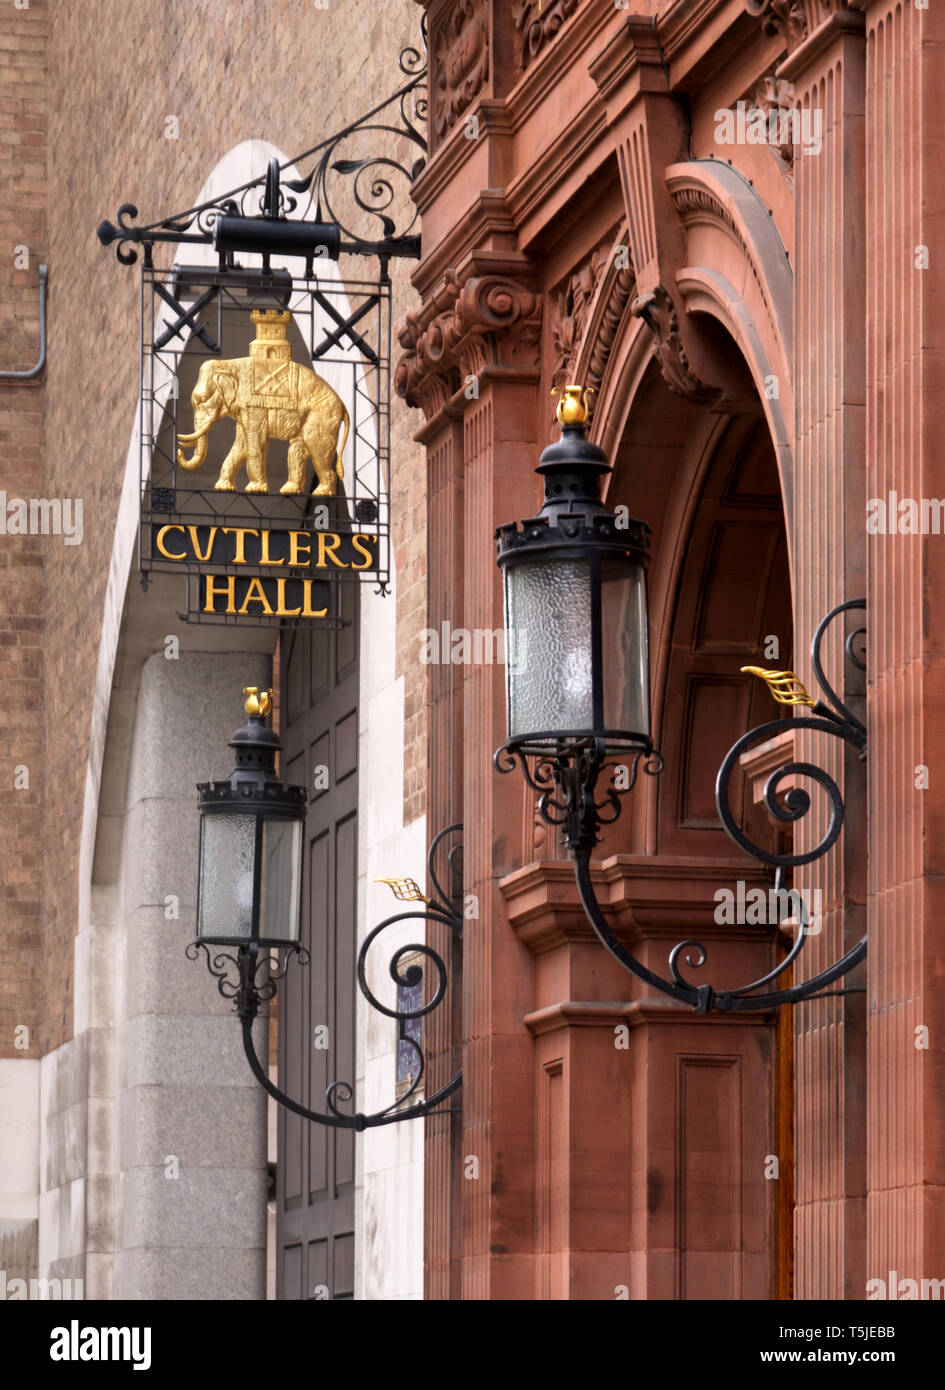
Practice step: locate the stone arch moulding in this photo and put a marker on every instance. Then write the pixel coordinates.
(738, 273)
(615, 348)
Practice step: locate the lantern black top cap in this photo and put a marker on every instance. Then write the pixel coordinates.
(573, 451)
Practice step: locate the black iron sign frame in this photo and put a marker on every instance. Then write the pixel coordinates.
(269, 551)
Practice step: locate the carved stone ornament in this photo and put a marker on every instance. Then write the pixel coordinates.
(785, 17)
(488, 320)
(587, 314)
(538, 21)
(615, 297)
(460, 62)
(659, 314)
(569, 309)
(775, 97)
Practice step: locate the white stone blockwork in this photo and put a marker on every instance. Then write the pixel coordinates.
(19, 1139)
(389, 1208)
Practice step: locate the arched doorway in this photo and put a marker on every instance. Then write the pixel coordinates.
(711, 1213)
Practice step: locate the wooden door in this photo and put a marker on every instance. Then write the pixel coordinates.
(315, 1169)
(734, 596)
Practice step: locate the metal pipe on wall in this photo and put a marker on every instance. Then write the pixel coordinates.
(31, 373)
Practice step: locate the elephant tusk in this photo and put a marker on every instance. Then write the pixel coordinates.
(200, 451)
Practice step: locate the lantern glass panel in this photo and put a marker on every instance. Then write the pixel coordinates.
(227, 858)
(281, 880)
(548, 646)
(625, 649)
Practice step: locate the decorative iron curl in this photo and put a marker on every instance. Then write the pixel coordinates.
(414, 973)
(693, 964)
(218, 966)
(246, 964)
(846, 715)
(448, 902)
(376, 176)
(249, 993)
(797, 802)
(838, 721)
(411, 61)
(565, 781)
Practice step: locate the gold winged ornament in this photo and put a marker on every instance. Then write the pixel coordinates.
(405, 890)
(270, 397)
(785, 687)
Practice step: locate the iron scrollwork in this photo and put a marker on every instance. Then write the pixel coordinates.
(375, 177)
(248, 991)
(566, 784)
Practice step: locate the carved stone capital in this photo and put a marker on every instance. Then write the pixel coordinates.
(659, 313)
(467, 326)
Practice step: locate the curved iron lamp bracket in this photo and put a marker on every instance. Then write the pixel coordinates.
(566, 782)
(249, 991)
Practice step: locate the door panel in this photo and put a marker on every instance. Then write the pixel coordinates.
(315, 1172)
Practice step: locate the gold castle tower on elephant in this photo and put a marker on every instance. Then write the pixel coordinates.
(270, 397)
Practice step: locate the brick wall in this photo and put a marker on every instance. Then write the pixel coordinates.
(282, 70)
(23, 43)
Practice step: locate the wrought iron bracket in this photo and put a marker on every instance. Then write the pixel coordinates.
(264, 203)
(566, 783)
(256, 981)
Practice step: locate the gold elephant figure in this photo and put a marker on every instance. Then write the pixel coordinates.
(270, 397)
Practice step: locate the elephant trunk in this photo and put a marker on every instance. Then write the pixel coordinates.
(199, 440)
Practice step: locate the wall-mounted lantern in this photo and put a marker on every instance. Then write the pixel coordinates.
(578, 689)
(578, 703)
(575, 588)
(250, 885)
(249, 897)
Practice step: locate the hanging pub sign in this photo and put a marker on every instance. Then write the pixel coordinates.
(264, 429)
(255, 571)
(271, 524)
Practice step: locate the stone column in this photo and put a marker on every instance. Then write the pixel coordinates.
(472, 356)
(192, 1118)
(906, 578)
(828, 553)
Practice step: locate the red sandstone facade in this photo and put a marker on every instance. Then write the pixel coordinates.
(759, 323)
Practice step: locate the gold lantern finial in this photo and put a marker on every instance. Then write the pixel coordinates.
(785, 687)
(573, 407)
(257, 701)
